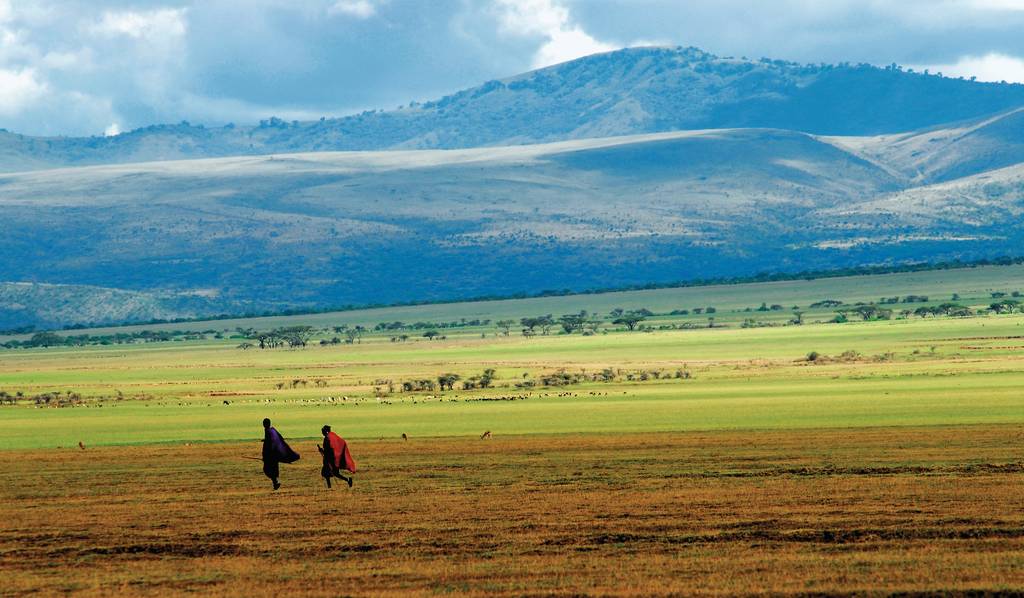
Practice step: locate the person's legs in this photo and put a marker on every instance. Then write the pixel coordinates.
(272, 470)
(348, 480)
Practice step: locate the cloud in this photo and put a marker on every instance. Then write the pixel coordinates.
(112, 131)
(76, 66)
(990, 67)
(998, 4)
(549, 20)
(360, 9)
(164, 22)
(21, 88)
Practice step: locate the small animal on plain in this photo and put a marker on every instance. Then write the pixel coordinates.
(485, 435)
(81, 445)
(404, 436)
(227, 402)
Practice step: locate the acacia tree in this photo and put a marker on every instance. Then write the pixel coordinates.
(630, 320)
(573, 322)
(448, 380)
(295, 336)
(530, 325)
(355, 334)
(506, 325)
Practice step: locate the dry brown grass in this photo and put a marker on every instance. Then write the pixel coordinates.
(856, 511)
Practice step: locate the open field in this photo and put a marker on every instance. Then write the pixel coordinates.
(933, 509)
(909, 372)
(974, 285)
(714, 461)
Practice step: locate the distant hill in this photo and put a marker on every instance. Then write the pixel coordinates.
(632, 91)
(43, 305)
(335, 228)
(949, 152)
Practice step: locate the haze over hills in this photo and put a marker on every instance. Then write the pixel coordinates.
(631, 91)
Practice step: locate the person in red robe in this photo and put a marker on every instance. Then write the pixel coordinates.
(336, 457)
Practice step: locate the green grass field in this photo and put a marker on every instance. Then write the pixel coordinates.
(974, 285)
(914, 371)
(715, 461)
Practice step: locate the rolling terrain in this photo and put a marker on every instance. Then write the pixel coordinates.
(231, 235)
(626, 92)
(581, 176)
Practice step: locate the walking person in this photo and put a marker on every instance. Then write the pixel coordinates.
(336, 457)
(275, 452)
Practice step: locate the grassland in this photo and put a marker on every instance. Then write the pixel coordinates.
(829, 511)
(741, 467)
(913, 372)
(974, 285)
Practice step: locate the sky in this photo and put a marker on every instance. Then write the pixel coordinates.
(94, 67)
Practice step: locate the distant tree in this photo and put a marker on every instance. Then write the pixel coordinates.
(630, 320)
(448, 380)
(46, 339)
(573, 322)
(431, 334)
(530, 325)
(506, 326)
(1006, 306)
(295, 336)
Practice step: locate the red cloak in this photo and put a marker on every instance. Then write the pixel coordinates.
(342, 456)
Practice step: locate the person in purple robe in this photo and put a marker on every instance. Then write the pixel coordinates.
(275, 452)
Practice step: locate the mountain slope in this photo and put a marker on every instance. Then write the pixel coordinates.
(54, 305)
(336, 228)
(632, 91)
(948, 152)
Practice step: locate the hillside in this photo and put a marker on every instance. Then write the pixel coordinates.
(632, 91)
(947, 152)
(337, 228)
(52, 305)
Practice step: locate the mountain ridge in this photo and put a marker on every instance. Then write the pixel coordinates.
(630, 91)
(773, 189)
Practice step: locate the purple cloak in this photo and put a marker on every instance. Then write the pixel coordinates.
(276, 449)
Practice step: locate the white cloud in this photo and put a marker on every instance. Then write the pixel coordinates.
(20, 89)
(998, 4)
(113, 130)
(551, 20)
(568, 44)
(360, 9)
(163, 22)
(990, 67)
(63, 61)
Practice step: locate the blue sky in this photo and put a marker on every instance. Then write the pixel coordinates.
(94, 66)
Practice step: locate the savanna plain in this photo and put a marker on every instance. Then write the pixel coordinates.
(800, 438)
